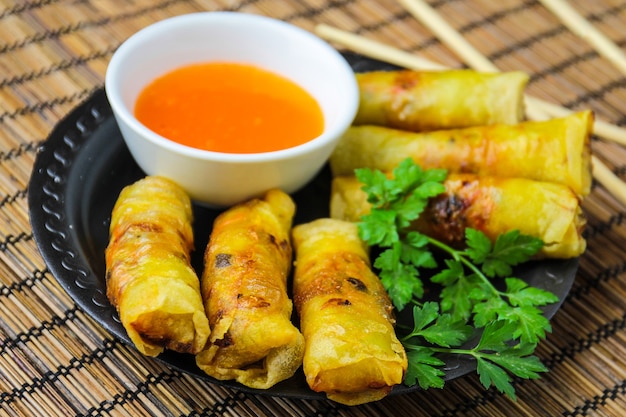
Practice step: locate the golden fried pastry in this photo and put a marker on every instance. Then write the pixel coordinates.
(351, 349)
(432, 100)
(148, 273)
(493, 205)
(556, 150)
(244, 286)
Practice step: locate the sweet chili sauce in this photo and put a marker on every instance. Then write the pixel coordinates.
(229, 107)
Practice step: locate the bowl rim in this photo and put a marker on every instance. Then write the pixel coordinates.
(330, 133)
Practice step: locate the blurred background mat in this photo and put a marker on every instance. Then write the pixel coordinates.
(55, 360)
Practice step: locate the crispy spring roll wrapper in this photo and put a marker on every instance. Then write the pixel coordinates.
(432, 100)
(148, 273)
(352, 352)
(244, 286)
(556, 150)
(493, 205)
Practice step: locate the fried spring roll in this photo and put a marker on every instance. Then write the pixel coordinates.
(352, 353)
(556, 150)
(148, 273)
(493, 205)
(422, 100)
(244, 286)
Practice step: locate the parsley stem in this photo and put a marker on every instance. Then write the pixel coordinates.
(449, 350)
(460, 257)
(471, 352)
(455, 253)
(417, 302)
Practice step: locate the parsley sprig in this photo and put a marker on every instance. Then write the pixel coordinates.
(478, 294)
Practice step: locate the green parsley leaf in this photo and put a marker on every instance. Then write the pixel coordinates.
(492, 374)
(450, 275)
(454, 297)
(423, 369)
(407, 174)
(516, 247)
(521, 294)
(510, 249)
(495, 356)
(514, 361)
(423, 316)
(379, 228)
(435, 175)
(440, 330)
(418, 257)
(402, 284)
(409, 210)
(389, 259)
(374, 184)
(416, 239)
(447, 332)
(531, 324)
(478, 245)
(495, 336)
(489, 310)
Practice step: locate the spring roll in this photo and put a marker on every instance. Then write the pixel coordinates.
(351, 349)
(556, 150)
(493, 205)
(149, 278)
(423, 100)
(244, 286)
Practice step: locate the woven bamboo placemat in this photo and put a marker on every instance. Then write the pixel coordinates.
(55, 360)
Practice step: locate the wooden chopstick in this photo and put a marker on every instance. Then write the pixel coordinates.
(535, 108)
(585, 30)
(606, 48)
(385, 53)
(376, 50)
(429, 17)
(581, 27)
(613, 184)
(599, 41)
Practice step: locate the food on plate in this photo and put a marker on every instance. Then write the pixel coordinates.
(244, 286)
(229, 107)
(556, 150)
(149, 278)
(506, 175)
(351, 350)
(493, 205)
(432, 100)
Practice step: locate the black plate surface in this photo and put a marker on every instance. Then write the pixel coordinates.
(77, 176)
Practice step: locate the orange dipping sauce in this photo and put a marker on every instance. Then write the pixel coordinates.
(228, 107)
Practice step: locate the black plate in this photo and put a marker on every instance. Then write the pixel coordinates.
(77, 176)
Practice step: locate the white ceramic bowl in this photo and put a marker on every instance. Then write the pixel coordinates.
(222, 179)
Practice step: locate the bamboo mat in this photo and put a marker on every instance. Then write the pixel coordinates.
(56, 361)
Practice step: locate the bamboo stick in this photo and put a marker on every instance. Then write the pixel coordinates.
(582, 28)
(609, 180)
(377, 50)
(536, 108)
(429, 17)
